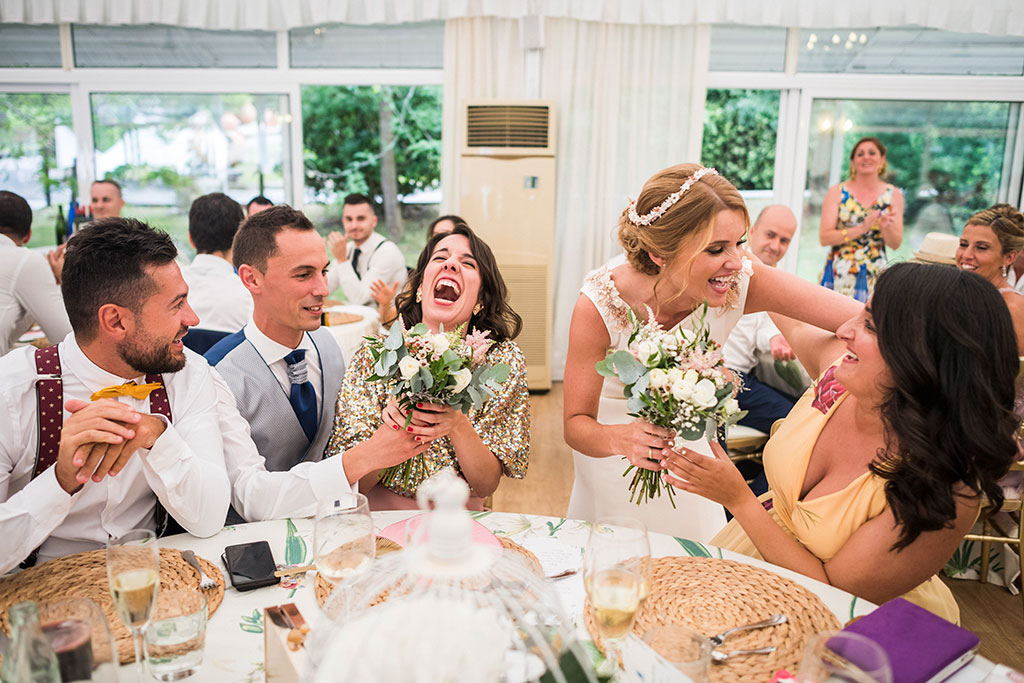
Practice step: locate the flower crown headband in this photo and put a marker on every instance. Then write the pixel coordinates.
(658, 211)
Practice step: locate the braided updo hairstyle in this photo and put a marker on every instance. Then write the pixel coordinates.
(686, 226)
(1006, 222)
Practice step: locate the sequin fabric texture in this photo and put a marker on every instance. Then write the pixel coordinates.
(503, 422)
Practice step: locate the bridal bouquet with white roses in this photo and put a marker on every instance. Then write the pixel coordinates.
(675, 379)
(442, 368)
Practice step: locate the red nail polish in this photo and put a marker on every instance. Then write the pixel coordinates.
(418, 438)
(395, 427)
(419, 405)
(408, 429)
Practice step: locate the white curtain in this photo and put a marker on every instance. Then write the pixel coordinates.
(483, 60)
(996, 17)
(629, 102)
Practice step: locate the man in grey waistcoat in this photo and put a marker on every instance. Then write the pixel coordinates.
(285, 371)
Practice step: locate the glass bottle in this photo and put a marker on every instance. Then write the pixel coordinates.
(30, 658)
(61, 227)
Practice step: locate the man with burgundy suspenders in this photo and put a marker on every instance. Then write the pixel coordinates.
(116, 426)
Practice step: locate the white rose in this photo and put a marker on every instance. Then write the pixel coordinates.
(646, 350)
(440, 343)
(681, 390)
(704, 394)
(674, 375)
(732, 406)
(659, 378)
(691, 376)
(462, 378)
(408, 366)
(669, 341)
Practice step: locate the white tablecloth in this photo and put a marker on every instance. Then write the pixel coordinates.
(234, 646)
(350, 335)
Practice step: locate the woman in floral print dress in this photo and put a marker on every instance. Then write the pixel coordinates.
(860, 218)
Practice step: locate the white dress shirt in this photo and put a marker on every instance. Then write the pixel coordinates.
(379, 259)
(273, 355)
(184, 468)
(752, 333)
(258, 494)
(28, 294)
(217, 294)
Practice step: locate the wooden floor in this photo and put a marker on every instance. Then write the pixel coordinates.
(989, 611)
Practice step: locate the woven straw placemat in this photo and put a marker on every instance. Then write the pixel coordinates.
(322, 587)
(84, 575)
(710, 595)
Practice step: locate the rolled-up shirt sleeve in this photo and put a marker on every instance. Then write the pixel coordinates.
(39, 294)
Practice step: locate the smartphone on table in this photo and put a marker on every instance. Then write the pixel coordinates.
(250, 565)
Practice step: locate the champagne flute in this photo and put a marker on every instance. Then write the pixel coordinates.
(845, 657)
(344, 542)
(617, 575)
(133, 570)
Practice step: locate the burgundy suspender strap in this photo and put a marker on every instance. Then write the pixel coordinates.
(50, 407)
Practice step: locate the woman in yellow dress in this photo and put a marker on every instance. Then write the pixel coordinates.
(880, 468)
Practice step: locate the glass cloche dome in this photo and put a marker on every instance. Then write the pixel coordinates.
(446, 610)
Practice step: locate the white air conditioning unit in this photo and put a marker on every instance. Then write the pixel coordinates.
(506, 191)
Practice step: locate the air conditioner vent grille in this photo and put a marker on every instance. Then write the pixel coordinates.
(507, 126)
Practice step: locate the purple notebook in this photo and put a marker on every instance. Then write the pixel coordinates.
(921, 646)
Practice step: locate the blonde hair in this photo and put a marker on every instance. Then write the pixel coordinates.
(1006, 222)
(686, 226)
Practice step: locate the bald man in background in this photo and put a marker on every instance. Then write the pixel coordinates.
(769, 240)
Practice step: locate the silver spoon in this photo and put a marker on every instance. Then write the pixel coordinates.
(719, 657)
(773, 620)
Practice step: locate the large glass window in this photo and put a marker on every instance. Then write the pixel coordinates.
(398, 46)
(909, 50)
(168, 149)
(740, 129)
(23, 45)
(747, 48)
(37, 156)
(947, 158)
(172, 47)
(353, 134)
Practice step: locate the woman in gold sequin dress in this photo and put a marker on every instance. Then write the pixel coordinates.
(456, 281)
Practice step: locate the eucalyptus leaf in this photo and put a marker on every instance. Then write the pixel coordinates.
(419, 330)
(605, 368)
(629, 368)
(427, 378)
(634, 404)
(499, 372)
(691, 434)
(394, 340)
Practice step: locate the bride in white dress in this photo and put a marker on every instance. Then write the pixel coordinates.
(683, 240)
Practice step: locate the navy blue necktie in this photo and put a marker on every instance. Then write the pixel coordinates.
(302, 397)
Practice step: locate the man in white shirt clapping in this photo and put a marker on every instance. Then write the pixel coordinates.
(363, 256)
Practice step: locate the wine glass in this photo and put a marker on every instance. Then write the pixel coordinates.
(841, 656)
(617, 577)
(133, 570)
(344, 542)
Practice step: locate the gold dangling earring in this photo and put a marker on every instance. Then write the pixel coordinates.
(477, 308)
(419, 295)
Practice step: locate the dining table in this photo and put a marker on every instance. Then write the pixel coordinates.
(235, 640)
(349, 324)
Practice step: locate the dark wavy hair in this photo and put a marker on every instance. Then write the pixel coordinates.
(495, 316)
(947, 338)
